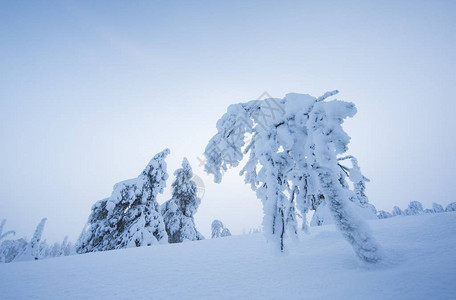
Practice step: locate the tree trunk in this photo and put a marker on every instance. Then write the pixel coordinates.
(354, 229)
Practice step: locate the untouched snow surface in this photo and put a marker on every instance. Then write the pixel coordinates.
(420, 264)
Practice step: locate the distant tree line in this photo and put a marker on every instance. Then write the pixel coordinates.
(416, 208)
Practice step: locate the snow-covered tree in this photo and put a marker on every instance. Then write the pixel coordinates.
(397, 211)
(54, 250)
(32, 250)
(131, 216)
(9, 249)
(178, 212)
(63, 246)
(44, 250)
(225, 232)
(216, 229)
(2, 234)
(99, 232)
(69, 249)
(295, 142)
(219, 230)
(384, 214)
(437, 207)
(414, 208)
(451, 207)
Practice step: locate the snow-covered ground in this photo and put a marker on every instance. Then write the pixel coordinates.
(420, 264)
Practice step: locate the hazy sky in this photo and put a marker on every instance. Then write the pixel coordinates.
(90, 91)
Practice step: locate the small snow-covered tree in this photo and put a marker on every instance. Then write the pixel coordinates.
(225, 232)
(451, 207)
(295, 142)
(397, 211)
(178, 212)
(54, 250)
(4, 235)
(384, 214)
(69, 249)
(219, 230)
(216, 229)
(44, 250)
(130, 217)
(414, 208)
(9, 249)
(63, 246)
(437, 207)
(32, 250)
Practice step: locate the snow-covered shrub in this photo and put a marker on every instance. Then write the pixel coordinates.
(451, 207)
(384, 214)
(130, 217)
(295, 142)
(414, 208)
(219, 230)
(178, 212)
(32, 249)
(437, 208)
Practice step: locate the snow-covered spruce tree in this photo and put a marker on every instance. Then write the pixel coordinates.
(178, 212)
(219, 230)
(295, 143)
(98, 234)
(131, 216)
(32, 250)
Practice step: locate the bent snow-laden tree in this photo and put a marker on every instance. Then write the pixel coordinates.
(131, 216)
(32, 250)
(294, 146)
(178, 212)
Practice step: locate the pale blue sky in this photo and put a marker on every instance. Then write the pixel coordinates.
(90, 91)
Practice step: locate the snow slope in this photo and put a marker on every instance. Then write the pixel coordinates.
(420, 264)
